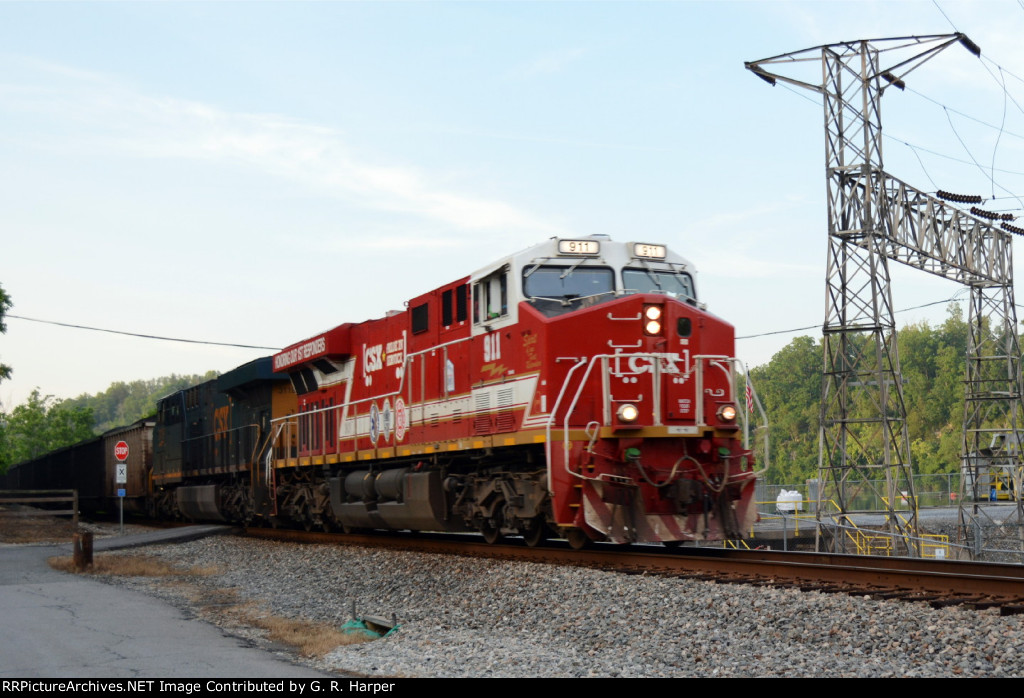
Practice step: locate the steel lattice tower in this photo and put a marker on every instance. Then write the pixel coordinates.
(874, 218)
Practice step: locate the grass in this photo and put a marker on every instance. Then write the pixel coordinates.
(129, 566)
(309, 638)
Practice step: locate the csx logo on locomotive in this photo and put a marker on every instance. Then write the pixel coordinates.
(372, 358)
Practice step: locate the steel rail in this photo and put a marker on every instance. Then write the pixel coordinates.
(939, 582)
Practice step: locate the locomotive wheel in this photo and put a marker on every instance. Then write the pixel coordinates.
(535, 532)
(490, 531)
(578, 540)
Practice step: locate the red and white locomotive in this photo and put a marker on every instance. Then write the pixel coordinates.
(577, 388)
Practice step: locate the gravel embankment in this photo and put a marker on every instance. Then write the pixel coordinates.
(482, 618)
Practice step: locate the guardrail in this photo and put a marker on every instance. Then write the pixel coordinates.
(44, 497)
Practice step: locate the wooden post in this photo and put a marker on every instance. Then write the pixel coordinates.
(81, 542)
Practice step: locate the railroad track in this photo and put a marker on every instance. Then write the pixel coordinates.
(978, 585)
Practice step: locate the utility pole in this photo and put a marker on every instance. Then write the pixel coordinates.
(874, 218)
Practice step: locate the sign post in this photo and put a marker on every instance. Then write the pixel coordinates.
(121, 475)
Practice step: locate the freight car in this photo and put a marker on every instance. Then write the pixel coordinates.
(577, 388)
(90, 467)
(190, 460)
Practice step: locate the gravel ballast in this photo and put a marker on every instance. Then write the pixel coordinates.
(466, 617)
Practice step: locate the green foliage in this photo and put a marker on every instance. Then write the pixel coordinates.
(790, 389)
(123, 403)
(44, 424)
(5, 305)
(40, 425)
(932, 363)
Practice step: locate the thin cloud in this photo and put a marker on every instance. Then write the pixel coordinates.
(101, 113)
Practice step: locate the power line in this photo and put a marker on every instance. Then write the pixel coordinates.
(968, 116)
(976, 163)
(252, 346)
(951, 157)
(921, 163)
(954, 299)
(936, 3)
(1001, 82)
(143, 336)
(915, 148)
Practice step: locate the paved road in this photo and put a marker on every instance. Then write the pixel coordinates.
(58, 625)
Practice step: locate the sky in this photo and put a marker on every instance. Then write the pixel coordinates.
(257, 172)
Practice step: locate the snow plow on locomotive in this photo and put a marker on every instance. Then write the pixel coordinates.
(574, 389)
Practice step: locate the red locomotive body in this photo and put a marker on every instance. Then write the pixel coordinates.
(576, 388)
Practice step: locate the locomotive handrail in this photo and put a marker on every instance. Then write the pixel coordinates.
(218, 433)
(764, 426)
(407, 361)
(696, 370)
(204, 442)
(551, 419)
(268, 476)
(566, 443)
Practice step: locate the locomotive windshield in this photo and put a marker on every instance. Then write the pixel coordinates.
(672, 283)
(554, 290)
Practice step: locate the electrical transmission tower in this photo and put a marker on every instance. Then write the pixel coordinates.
(874, 218)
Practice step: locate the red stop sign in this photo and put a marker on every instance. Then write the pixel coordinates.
(121, 450)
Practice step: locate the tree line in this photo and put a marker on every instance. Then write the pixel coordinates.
(43, 423)
(932, 363)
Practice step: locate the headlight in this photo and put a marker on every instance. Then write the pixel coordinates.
(652, 319)
(628, 413)
(727, 413)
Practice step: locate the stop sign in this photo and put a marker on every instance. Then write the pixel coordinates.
(121, 450)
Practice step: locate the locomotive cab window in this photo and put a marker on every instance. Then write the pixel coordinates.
(555, 290)
(671, 283)
(490, 297)
(453, 306)
(420, 318)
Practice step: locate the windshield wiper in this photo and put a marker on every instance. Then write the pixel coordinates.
(570, 270)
